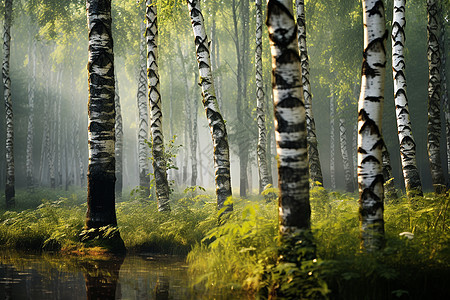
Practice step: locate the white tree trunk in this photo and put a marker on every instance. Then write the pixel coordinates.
(215, 120)
(405, 136)
(101, 125)
(370, 140)
(344, 153)
(143, 150)
(119, 142)
(313, 152)
(290, 122)
(154, 98)
(264, 179)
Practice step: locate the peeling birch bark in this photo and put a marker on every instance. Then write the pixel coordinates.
(154, 98)
(370, 140)
(434, 97)
(264, 178)
(315, 170)
(215, 120)
(405, 136)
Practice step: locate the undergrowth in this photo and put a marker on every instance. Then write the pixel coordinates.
(242, 254)
(241, 257)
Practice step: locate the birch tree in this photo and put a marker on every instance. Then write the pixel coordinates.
(294, 210)
(101, 169)
(264, 179)
(313, 151)
(216, 123)
(405, 136)
(154, 99)
(344, 153)
(30, 132)
(144, 179)
(434, 97)
(119, 141)
(370, 141)
(10, 172)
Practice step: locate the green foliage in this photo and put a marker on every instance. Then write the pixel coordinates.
(51, 226)
(244, 253)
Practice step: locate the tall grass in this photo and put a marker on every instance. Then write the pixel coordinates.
(242, 253)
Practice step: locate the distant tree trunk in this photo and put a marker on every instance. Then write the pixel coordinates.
(48, 144)
(215, 120)
(188, 114)
(10, 173)
(315, 170)
(294, 212)
(411, 176)
(79, 159)
(30, 133)
(240, 98)
(389, 184)
(332, 142)
(434, 97)
(260, 111)
(119, 142)
(154, 98)
(269, 105)
(219, 77)
(144, 179)
(344, 153)
(59, 131)
(194, 131)
(370, 140)
(101, 169)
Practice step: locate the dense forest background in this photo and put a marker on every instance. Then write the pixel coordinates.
(335, 44)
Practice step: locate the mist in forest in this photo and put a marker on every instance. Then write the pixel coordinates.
(61, 88)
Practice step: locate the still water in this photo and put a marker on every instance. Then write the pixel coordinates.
(25, 276)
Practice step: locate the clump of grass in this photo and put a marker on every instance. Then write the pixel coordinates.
(144, 229)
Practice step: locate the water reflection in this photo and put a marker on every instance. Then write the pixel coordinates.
(24, 276)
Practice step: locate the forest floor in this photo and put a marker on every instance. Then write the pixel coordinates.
(242, 254)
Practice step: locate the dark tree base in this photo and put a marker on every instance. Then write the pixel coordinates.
(107, 237)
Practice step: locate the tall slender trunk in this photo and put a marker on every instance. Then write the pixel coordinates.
(445, 104)
(434, 97)
(332, 142)
(59, 130)
(215, 120)
(219, 77)
(48, 140)
(30, 132)
(294, 211)
(370, 139)
(260, 111)
(101, 169)
(344, 153)
(355, 153)
(411, 176)
(315, 170)
(242, 139)
(10, 172)
(154, 98)
(144, 179)
(79, 158)
(119, 142)
(269, 151)
(194, 131)
(188, 115)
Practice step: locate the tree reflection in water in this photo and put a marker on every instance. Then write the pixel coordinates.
(27, 276)
(101, 277)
